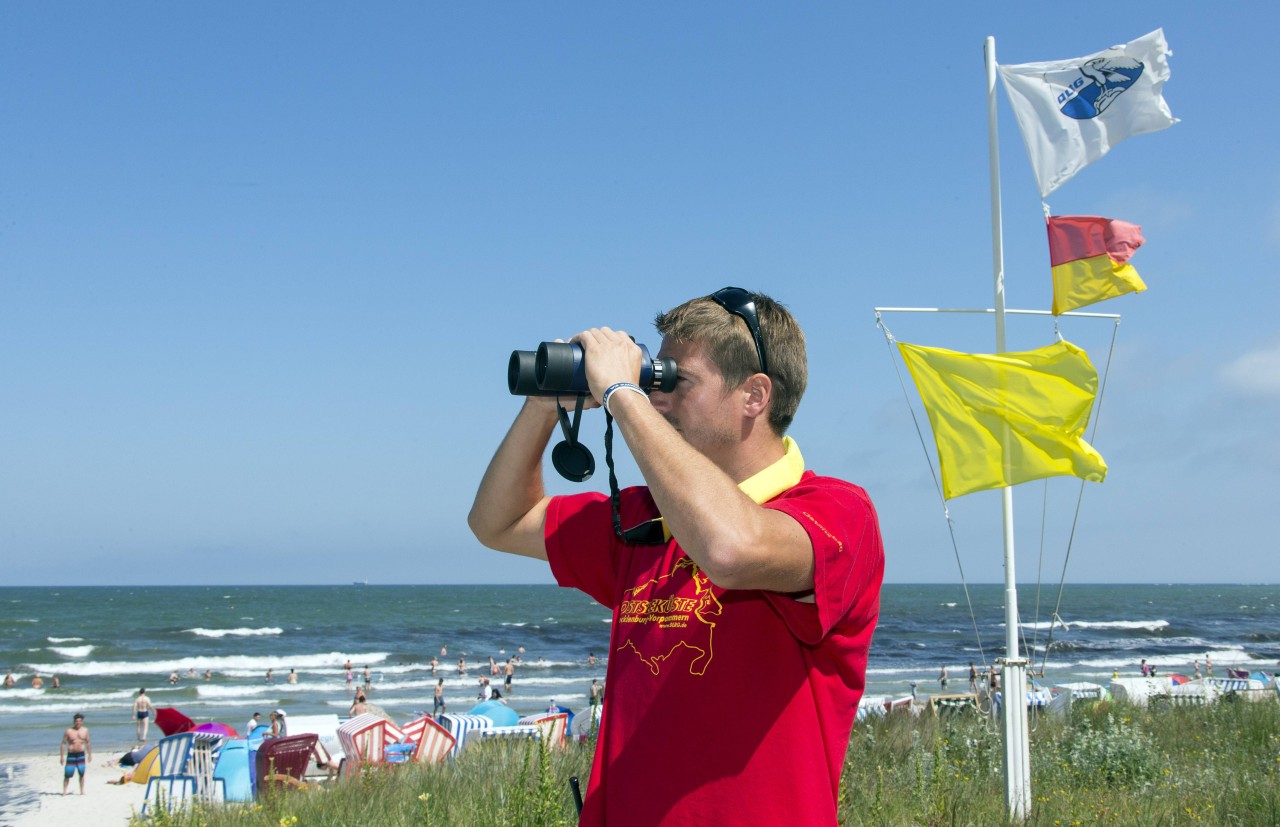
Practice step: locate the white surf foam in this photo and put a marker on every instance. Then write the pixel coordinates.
(72, 651)
(238, 632)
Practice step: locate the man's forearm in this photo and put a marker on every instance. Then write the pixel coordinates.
(509, 506)
(737, 543)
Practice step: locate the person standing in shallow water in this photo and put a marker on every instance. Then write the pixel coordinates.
(75, 752)
(142, 709)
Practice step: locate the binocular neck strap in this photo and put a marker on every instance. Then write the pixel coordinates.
(650, 532)
(571, 458)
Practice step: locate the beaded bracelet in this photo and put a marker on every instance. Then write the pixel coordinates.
(619, 386)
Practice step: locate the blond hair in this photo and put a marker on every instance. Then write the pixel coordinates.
(730, 346)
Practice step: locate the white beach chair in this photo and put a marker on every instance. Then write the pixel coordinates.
(206, 747)
(328, 751)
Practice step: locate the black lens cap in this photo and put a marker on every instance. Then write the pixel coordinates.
(573, 461)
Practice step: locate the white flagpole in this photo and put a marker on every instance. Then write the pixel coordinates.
(1017, 752)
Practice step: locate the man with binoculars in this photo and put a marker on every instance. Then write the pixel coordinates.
(744, 589)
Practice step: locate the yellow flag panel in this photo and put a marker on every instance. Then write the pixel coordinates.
(1004, 418)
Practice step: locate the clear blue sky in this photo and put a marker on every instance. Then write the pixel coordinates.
(262, 264)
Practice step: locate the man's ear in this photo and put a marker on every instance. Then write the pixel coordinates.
(757, 391)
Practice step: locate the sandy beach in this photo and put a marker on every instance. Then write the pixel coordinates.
(105, 804)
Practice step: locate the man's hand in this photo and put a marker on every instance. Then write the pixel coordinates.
(611, 357)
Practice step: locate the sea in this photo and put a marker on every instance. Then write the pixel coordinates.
(105, 643)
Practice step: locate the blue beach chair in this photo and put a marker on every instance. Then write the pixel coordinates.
(175, 784)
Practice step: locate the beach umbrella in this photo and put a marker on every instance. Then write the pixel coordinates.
(147, 767)
(217, 729)
(498, 712)
(172, 722)
(1179, 680)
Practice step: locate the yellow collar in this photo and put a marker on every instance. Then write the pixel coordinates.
(778, 477)
(769, 482)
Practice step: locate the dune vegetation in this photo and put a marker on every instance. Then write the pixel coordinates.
(1107, 764)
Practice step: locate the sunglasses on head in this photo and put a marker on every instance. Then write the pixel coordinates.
(741, 304)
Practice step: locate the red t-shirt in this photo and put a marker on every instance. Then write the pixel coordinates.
(724, 706)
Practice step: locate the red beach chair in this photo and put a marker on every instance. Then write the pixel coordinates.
(433, 742)
(284, 761)
(365, 739)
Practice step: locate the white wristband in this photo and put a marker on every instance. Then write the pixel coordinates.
(619, 386)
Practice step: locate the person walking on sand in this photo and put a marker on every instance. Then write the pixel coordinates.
(142, 710)
(75, 752)
(731, 533)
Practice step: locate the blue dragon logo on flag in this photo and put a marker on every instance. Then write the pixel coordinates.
(1102, 80)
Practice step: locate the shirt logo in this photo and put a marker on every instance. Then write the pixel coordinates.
(675, 612)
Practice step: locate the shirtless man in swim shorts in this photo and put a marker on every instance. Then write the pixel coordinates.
(75, 752)
(142, 709)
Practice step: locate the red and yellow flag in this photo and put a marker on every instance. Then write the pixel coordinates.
(1090, 259)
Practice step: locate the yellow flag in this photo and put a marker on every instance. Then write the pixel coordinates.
(1004, 418)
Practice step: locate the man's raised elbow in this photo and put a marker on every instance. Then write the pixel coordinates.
(481, 529)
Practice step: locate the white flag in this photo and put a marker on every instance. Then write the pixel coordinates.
(1071, 112)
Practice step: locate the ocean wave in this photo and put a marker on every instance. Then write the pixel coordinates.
(207, 691)
(72, 651)
(51, 708)
(1148, 625)
(159, 669)
(14, 692)
(63, 639)
(239, 632)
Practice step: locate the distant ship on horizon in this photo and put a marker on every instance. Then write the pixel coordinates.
(360, 583)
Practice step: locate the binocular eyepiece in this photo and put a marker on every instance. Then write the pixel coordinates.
(560, 368)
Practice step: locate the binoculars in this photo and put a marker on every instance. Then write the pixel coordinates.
(560, 368)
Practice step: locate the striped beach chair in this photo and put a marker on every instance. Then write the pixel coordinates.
(433, 742)
(206, 748)
(553, 726)
(365, 739)
(953, 705)
(869, 708)
(1038, 698)
(513, 731)
(463, 728)
(175, 785)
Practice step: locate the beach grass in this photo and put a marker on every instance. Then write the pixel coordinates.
(1106, 764)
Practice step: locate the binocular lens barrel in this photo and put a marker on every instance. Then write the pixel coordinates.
(560, 367)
